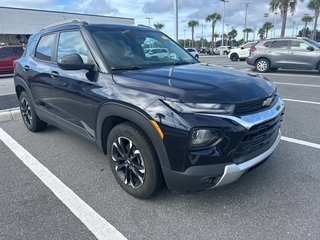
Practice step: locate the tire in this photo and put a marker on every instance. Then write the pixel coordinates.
(29, 116)
(133, 161)
(262, 65)
(234, 57)
(242, 59)
(318, 67)
(197, 57)
(225, 53)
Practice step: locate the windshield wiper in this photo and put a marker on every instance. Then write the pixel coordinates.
(183, 63)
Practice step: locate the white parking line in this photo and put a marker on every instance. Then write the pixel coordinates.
(300, 101)
(91, 219)
(309, 144)
(297, 84)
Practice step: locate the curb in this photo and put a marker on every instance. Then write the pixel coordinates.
(10, 114)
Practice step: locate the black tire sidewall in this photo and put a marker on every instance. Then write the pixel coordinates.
(152, 181)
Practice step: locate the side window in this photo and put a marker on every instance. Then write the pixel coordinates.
(18, 51)
(44, 48)
(72, 43)
(6, 52)
(298, 45)
(267, 44)
(279, 44)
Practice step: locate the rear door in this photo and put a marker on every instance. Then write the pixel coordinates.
(300, 57)
(277, 53)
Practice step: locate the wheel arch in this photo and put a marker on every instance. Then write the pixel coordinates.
(21, 86)
(111, 114)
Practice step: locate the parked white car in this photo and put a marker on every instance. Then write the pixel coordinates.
(241, 52)
(222, 50)
(194, 52)
(156, 52)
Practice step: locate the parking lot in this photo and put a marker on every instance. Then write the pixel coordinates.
(56, 186)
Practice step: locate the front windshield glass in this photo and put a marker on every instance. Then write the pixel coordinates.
(134, 49)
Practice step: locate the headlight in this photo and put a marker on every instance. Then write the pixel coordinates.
(203, 137)
(201, 107)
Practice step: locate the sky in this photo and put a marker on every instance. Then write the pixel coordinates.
(233, 14)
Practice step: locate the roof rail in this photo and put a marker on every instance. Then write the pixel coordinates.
(141, 25)
(64, 22)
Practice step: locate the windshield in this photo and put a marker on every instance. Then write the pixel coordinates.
(134, 49)
(312, 42)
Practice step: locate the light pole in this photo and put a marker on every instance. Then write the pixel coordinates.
(275, 25)
(266, 15)
(184, 41)
(224, 7)
(294, 23)
(245, 21)
(227, 34)
(149, 20)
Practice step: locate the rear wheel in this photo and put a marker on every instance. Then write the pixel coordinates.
(197, 56)
(262, 65)
(234, 57)
(29, 116)
(133, 160)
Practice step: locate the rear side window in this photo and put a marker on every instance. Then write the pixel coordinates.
(298, 45)
(44, 48)
(279, 44)
(267, 44)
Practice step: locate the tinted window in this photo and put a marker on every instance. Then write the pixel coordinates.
(44, 48)
(6, 52)
(71, 43)
(279, 44)
(18, 50)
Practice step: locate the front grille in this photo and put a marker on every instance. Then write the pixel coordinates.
(246, 107)
(258, 139)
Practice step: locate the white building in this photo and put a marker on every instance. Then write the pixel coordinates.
(17, 24)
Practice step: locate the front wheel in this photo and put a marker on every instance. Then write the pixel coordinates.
(234, 57)
(262, 65)
(29, 116)
(133, 160)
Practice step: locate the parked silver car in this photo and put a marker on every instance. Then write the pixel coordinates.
(289, 53)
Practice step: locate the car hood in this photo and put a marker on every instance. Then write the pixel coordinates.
(198, 82)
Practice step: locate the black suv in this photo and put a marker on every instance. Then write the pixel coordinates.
(161, 120)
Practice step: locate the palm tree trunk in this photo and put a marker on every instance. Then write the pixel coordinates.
(305, 30)
(314, 32)
(212, 38)
(284, 20)
(192, 33)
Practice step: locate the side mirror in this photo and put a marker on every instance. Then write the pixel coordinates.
(310, 48)
(242, 48)
(73, 62)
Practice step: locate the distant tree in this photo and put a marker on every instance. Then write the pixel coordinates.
(267, 26)
(214, 17)
(158, 26)
(284, 6)
(192, 24)
(216, 35)
(261, 33)
(314, 5)
(247, 31)
(233, 34)
(306, 19)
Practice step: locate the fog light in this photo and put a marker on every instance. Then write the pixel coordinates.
(203, 137)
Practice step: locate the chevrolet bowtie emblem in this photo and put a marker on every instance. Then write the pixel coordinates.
(267, 102)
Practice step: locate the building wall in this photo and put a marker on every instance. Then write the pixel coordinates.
(15, 22)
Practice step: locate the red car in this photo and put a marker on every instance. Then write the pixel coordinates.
(7, 55)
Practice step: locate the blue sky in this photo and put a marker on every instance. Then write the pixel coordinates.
(161, 11)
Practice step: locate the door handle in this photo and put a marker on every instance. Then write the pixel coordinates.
(26, 68)
(54, 74)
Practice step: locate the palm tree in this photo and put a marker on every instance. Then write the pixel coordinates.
(267, 26)
(215, 36)
(261, 33)
(306, 19)
(192, 24)
(247, 31)
(214, 17)
(284, 6)
(158, 26)
(314, 5)
(233, 34)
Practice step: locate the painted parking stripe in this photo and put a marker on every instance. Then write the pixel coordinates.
(92, 220)
(300, 101)
(297, 84)
(305, 143)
